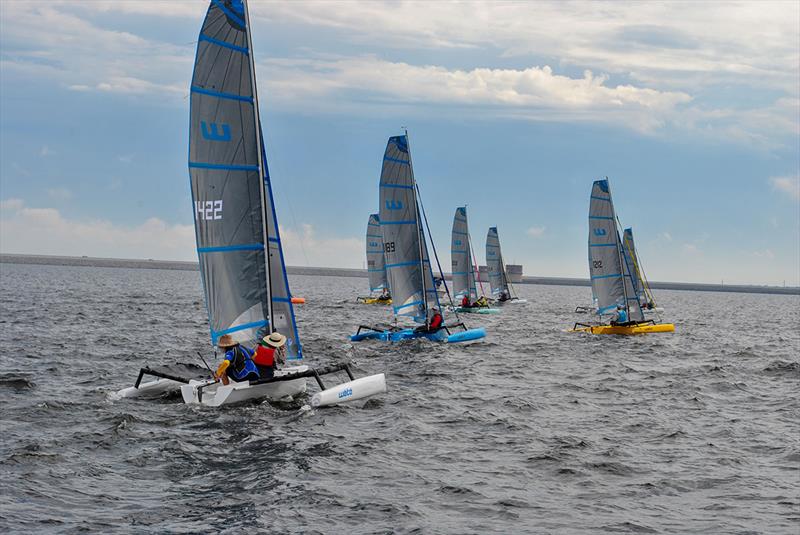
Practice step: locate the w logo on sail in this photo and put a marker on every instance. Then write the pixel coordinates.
(394, 205)
(599, 232)
(214, 134)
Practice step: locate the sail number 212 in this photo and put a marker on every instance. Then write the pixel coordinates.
(208, 210)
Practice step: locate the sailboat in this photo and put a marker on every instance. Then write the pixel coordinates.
(613, 283)
(408, 265)
(502, 289)
(463, 268)
(376, 265)
(236, 227)
(641, 285)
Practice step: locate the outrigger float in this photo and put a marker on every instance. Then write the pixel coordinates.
(407, 264)
(618, 284)
(246, 288)
(388, 333)
(645, 327)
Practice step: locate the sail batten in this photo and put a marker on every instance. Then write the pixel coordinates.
(238, 246)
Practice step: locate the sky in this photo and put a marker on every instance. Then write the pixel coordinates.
(692, 110)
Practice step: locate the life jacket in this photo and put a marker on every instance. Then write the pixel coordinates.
(465, 301)
(242, 364)
(265, 356)
(436, 321)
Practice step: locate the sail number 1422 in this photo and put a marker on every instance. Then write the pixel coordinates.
(208, 210)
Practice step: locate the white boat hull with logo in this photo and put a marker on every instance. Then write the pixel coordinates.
(345, 392)
(217, 394)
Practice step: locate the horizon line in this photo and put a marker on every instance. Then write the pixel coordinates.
(150, 263)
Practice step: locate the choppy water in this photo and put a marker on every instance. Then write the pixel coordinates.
(532, 431)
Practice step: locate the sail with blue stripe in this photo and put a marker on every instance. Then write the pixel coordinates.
(612, 285)
(463, 268)
(498, 280)
(376, 262)
(241, 260)
(408, 267)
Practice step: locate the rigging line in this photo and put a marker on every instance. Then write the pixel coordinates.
(420, 234)
(614, 221)
(474, 259)
(262, 173)
(294, 223)
(436, 255)
(646, 284)
(505, 273)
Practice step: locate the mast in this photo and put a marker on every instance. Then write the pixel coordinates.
(420, 235)
(619, 251)
(261, 174)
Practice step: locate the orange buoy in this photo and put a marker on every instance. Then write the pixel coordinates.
(298, 300)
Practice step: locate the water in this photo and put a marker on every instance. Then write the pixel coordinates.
(532, 431)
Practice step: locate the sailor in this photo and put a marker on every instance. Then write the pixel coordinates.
(270, 351)
(385, 296)
(503, 296)
(237, 364)
(465, 301)
(622, 316)
(481, 302)
(436, 323)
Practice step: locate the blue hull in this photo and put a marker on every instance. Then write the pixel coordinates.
(409, 334)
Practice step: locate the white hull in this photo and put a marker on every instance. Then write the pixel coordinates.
(356, 389)
(150, 389)
(218, 394)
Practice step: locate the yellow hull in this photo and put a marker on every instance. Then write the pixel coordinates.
(375, 301)
(641, 328)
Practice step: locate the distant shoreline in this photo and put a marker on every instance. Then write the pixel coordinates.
(84, 261)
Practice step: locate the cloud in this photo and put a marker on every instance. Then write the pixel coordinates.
(666, 235)
(45, 151)
(536, 232)
(788, 185)
(60, 194)
(55, 41)
(128, 158)
(666, 42)
(29, 230)
(766, 254)
(304, 247)
(537, 91)
(646, 66)
(691, 249)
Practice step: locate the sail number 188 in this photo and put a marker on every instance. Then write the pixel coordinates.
(389, 246)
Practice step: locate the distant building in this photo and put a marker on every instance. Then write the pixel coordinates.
(514, 272)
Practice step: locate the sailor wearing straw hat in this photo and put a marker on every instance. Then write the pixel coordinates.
(237, 364)
(270, 351)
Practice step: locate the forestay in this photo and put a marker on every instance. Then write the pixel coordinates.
(494, 263)
(611, 282)
(403, 238)
(463, 269)
(376, 263)
(233, 207)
